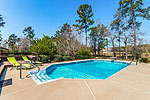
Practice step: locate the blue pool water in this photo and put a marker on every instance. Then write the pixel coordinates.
(93, 69)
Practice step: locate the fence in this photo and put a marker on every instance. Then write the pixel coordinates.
(18, 56)
(122, 55)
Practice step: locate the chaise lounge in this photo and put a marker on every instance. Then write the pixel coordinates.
(14, 63)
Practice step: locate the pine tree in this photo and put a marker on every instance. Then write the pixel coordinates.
(1, 21)
(29, 33)
(12, 41)
(85, 18)
(94, 38)
(134, 9)
(1, 25)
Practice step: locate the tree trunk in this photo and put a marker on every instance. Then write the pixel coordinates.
(95, 47)
(113, 48)
(133, 15)
(126, 50)
(98, 51)
(114, 51)
(134, 40)
(107, 49)
(98, 48)
(72, 55)
(119, 45)
(86, 36)
(102, 50)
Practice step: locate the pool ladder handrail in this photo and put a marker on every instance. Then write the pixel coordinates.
(134, 60)
(35, 66)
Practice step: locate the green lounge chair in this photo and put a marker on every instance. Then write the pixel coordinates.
(13, 61)
(26, 59)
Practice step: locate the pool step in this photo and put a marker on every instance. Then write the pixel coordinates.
(41, 78)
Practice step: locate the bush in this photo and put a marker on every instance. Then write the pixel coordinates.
(43, 58)
(26, 51)
(44, 46)
(58, 58)
(99, 58)
(144, 60)
(14, 51)
(62, 54)
(4, 51)
(83, 54)
(104, 57)
(79, 57)
(65, 58)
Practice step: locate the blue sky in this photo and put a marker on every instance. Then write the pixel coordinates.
(46, 16)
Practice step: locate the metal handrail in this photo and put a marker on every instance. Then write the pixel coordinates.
(26, 67)
(135, 60)
(131, 61)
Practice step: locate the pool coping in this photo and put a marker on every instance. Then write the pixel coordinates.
(38, 82)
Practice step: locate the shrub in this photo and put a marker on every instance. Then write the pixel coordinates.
(83, 54)
(4, 51)
(43, 58)
(14, 51)
(62, 54)
(26, 51)
(44, 46)
(144, 60)
(104, 57)
(99, 58)
(79, 57)
(58, 58)
(65, 58)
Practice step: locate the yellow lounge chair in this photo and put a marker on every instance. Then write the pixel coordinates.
(26, 59)
(13, 61)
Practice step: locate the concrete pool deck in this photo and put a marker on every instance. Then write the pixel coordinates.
(132, 83)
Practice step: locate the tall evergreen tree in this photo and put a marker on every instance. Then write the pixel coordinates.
(94, 38)
(1, 21)
(134, 9)
(1, 25)
(116, 25)
(12, 41)
(112, 37)
(29, 33)
(106, 43)
(102, 32)
(1, 39)
(85, 18)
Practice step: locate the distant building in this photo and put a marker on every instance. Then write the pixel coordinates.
(107, 50)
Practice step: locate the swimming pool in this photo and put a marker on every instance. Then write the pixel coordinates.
(91, 69)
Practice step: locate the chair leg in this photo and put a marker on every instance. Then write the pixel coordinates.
(12, 68)
(17, 67)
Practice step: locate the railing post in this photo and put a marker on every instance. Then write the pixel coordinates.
(21, 70)
(30, 64)
(136, 62)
